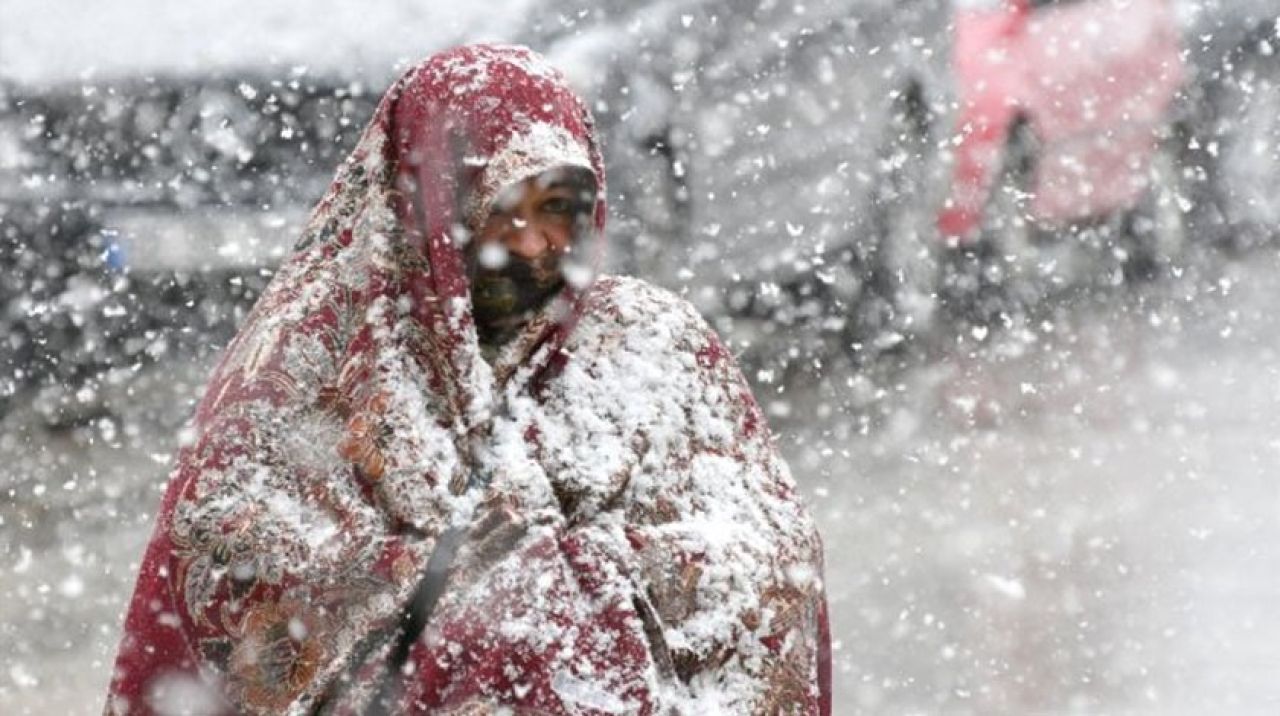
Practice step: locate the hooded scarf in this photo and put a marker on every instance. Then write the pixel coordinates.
(660, 561)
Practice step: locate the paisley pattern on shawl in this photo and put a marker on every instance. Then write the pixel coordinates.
(667, 564)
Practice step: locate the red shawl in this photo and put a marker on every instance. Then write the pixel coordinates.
(662, 562)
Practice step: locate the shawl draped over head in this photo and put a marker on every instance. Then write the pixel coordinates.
(662, 563)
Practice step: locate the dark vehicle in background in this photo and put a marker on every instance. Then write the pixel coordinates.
(144, 215)
(769, 160)
(1234, 107)
(774, 160)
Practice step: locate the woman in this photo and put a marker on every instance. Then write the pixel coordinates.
(627, 539)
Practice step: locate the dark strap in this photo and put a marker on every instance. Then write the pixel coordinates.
(416, 615)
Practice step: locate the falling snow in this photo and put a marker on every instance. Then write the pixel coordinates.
(1000, 274)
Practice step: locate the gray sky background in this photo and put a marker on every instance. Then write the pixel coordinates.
(43, 41)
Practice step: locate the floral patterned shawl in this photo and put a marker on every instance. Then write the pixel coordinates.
(663, 561)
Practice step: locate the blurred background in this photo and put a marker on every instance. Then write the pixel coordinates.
(1002, 273)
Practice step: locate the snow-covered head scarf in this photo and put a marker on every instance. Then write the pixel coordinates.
(656, 558)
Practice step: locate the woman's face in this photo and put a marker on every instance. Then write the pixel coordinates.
(517, 257)
(533, 219)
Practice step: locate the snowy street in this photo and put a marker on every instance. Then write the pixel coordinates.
(1080, 518)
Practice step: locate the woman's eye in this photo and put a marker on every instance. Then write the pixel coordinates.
(559, 205)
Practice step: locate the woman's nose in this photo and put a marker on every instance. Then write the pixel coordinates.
(526, 239)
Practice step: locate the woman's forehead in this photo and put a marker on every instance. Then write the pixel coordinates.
(572, 177)
(558, 178)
